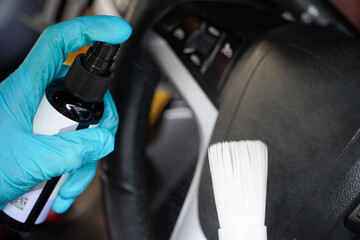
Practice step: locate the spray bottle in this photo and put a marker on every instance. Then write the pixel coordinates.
(70, 103)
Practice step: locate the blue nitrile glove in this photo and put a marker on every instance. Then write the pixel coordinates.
(26, 158)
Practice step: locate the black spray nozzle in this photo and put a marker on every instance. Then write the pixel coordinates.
(100, 57)
(90, 75)
(104, 50)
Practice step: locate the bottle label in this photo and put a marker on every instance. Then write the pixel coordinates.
(47, 121)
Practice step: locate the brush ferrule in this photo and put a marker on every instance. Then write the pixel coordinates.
(242, 233)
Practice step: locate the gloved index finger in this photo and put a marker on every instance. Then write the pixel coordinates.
(46, 58)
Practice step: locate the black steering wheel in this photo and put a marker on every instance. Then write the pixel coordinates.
(298, 90)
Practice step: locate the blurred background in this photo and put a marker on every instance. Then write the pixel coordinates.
(21, 21)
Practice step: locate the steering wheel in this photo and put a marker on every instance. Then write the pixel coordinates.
(297, 89)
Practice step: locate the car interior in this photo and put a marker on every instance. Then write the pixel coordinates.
(193, 73)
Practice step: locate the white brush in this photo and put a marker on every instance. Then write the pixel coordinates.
(239, 177)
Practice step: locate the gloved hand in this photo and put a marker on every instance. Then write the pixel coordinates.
(26, 158)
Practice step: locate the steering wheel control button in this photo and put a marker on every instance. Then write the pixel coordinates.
(227, 50)
(195, 59)
(214, 31)
(201, 42)
(179, 34)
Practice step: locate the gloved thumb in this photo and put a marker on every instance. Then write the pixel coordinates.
(70, 150)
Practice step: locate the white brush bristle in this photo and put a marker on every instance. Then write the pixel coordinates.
(239, 177)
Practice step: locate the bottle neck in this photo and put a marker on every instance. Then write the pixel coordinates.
(96, 65)
(100, 57)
